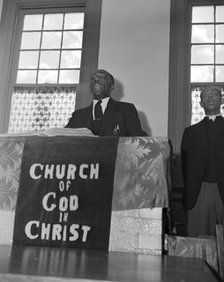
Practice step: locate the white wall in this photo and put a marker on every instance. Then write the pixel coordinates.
(134, 47)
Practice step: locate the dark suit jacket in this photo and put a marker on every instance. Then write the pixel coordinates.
(194, 154)
(117, 114)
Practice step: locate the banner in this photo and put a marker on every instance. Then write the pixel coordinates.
(65, 192)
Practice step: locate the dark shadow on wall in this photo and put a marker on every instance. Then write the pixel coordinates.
(118, 94)
(144, 123)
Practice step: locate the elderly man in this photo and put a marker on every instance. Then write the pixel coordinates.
(105, 116)
(202, 153)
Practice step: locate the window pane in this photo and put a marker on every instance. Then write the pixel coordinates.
(203, 54)
(53, 21)
(72, 39)
(220, 33)
(202, 74)
(219, 71)
(219, 54)
(39, 108)
(220, 13)
(49, 59)
(202, 34)
(26, 76)
(70, 59)
(30, 40)
(69, 76)
(47, 76)
(32, 22)
(74, 21)
(203, 14)
(51, 40)
(28, 59)
(197, 111)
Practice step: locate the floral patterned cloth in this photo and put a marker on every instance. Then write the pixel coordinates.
(11, 150)
(204, 248)
(141, 175)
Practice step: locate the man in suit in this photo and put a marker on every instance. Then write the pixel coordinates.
(202, 154)
(105, 116)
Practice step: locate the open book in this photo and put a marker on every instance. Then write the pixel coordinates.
(54, 131)
(61, 131)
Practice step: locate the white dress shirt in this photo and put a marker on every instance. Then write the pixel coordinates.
(103, 105)
(213, 117)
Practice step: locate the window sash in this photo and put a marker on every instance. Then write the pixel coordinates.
(37, 68)
(40, 108)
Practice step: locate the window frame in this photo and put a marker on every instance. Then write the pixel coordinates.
(8, 25)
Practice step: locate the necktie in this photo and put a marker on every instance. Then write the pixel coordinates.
(98, 110)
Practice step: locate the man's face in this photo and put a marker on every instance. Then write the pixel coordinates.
(211, 101)
(100, 85)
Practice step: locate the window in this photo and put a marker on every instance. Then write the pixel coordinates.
(51, 48)
(54, 50)
(207, 53)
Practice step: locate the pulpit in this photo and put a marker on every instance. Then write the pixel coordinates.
(140, 182)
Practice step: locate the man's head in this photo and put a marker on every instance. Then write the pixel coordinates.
(211, 100)
(101, 84)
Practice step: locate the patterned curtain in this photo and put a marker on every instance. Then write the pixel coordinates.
(197, 112)
(39, 108)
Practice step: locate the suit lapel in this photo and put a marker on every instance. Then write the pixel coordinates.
(109, 114)
(89, 115)
(201, 131)
(220, 132)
